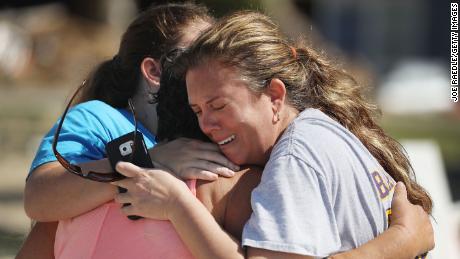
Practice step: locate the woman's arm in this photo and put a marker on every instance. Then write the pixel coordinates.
(39, 243)
(409, 235)
(51, 193)
(159, 195)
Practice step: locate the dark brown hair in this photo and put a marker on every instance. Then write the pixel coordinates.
(175, 117)
(254, 44)
(151, 34)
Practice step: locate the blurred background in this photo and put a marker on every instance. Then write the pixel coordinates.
(399, 48)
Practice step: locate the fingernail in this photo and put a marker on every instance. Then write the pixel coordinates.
(226, 172)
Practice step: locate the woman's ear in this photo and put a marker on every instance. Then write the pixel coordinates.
(276, 90)
(151, 71)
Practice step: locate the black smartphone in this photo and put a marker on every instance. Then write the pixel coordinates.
(121, 148)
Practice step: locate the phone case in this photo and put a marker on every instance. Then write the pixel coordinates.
(120, 149)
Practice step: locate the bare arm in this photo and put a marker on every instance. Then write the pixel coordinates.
(394, 243)
(39, 243)
(51, 193)
(173, 200)
(157, 194)
(409, 235)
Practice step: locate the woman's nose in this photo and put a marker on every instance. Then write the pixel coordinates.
(208, 123)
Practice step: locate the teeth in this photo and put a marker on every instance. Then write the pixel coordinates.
(227, 140)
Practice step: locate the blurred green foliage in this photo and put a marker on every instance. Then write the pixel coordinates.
(9, 243)
(442, 128)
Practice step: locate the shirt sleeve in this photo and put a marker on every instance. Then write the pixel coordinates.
(292, 211)
(82, 138)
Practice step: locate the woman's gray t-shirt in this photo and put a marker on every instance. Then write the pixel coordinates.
(321, 192)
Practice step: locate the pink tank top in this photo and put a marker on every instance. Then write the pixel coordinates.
(106, 232)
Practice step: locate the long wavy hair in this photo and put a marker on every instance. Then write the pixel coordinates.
(151, 34)
(255, 45)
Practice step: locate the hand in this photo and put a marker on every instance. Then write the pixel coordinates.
(412, 220)
(152, 193)
(193, 159)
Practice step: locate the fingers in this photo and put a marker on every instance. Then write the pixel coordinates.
(206, 167)
(196, 173)
(217, 158)
(196, 144)
(127, 169)
(124, 183)
(123, 198)
(400, 191)
(399, 196)
(210, 152)
(129, 210)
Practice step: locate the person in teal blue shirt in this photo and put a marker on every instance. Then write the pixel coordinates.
(100, 115)
(86, 131)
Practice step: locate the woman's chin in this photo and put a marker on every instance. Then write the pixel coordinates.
(235, 158)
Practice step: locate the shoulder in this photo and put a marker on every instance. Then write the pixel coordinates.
(228, 199)
(313, 135)
(98, 116)
(314, 126)
(95, 109)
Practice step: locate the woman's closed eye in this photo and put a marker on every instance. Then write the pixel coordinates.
(217, 105)
(196, 111)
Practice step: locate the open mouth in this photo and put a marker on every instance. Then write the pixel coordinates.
(227, 140)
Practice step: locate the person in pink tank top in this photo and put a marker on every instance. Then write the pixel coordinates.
(52, 193)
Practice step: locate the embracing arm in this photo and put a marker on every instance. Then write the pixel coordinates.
(201, 233)
(159, 195)
(51, 193)
(409, 235)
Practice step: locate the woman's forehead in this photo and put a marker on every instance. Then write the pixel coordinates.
(212, 79)
(211, 73)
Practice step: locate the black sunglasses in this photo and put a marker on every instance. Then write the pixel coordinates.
(75, 169)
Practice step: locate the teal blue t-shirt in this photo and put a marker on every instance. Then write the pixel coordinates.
(86, 130)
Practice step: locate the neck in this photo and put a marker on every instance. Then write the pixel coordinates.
(286, 119)
(145, 112)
